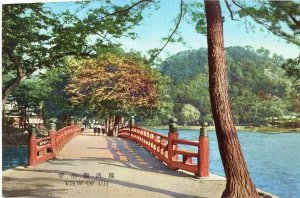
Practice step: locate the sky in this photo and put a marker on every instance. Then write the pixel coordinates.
(153, 28)
(156, 27)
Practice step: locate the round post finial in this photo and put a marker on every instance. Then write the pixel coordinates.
(172, 125)
(32, 130)
(203, 129)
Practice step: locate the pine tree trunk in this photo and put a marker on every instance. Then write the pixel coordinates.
(239, 183)
(117, 123)
(106, 125)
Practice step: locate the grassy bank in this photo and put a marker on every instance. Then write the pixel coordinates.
(269, 129)
(239, 128)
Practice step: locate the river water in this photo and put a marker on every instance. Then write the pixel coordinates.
(273, 159)
(14, 156)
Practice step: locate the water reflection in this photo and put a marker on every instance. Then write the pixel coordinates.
(14, 156)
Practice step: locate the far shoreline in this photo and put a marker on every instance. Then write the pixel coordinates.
(239, 129)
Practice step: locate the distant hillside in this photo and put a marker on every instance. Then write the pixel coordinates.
(255, 78)
(185, 64)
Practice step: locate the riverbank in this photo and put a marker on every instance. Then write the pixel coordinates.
(239, 128)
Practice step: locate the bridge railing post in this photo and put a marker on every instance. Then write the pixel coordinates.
(52, 134)
(203, 152)
(32, 146)
(172, 135)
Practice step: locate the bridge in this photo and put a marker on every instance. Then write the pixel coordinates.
(138, 162)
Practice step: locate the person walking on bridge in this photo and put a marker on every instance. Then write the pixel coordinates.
(103, 130)
(99, 127)
(95, 128)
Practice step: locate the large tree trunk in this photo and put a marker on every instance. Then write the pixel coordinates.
(118, 119)
(239, 183)
(110, 126)
(6, 91)
(11, 86)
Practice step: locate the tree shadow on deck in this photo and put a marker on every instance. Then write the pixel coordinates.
(131, 150)
(116, 163)
(29, 189)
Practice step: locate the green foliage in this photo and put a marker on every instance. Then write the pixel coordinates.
(279, 17)
(25, 36)
(251, 110)
(189, 114)
(196, 14)
(256, 80)
(193, 91)
(34, 37)
(33, 92)
(58, 103)
(44, 93)
(293, 97)
(181, 66)
(292, 67)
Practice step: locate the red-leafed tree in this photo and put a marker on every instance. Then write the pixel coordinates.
(114, 82)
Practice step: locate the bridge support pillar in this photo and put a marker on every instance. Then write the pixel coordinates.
(172, 135)
(32, 147)
(171, 147)
(52, 134)
(203, 152)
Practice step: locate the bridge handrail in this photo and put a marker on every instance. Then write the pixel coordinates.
(165, 148)
(43, 149)
(42, 139)
(186, 142)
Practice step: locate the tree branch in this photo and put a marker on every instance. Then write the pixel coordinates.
(258, 21)
(126, 9)
(173, 32)
(230, 11)
(76, 12)
(297, 23)
(295, 20)
(104, 37)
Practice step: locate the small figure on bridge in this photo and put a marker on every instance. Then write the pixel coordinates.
(85, 123)
(99, 128)
(104, 130)
(95, 128)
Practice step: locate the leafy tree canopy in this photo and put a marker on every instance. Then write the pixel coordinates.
(114, 82)
(282, 18)
(189, 114)
(256, 79)
(34, 37)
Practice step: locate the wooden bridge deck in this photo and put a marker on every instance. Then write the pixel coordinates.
(100, 166)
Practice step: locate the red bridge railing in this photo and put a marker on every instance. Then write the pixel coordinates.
(165, 148)
(43, 149)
